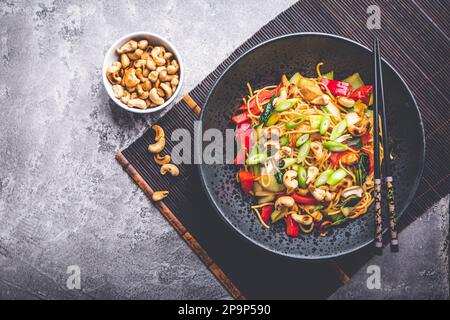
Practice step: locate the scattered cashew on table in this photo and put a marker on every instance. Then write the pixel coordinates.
(163, 161)
(145, 76)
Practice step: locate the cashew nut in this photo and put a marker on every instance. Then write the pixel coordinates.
(153, 76)
(124, 60)
(313, 172)
(159, 132)
(125, 98)
(118, 91)
(150, 64)
(156, 51)
(159, 195)
(155, 98)
(289, 179)
(284, 201)
(130, 78)
(112, 73)
(158, 146)
(164, 76)
(161, 160)
(128, 47)
(173, 68)
(317, 150)
(136, 54)
(143, 44)
(171, 168)
(167, 90)
(168, 56)
(346, 102)
(137, 103)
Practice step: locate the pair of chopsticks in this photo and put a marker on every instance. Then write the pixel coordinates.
(379, 109)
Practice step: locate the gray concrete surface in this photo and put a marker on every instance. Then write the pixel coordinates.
(64, 200)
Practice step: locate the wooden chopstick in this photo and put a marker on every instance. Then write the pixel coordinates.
(376, 153)
(387, 169)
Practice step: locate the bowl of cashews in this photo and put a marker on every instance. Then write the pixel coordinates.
(142, 72)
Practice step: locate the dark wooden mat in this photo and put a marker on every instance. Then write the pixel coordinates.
(415, 37)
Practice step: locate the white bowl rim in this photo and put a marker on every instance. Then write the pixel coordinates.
(111, 51)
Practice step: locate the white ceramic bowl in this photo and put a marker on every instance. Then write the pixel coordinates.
(112, 56)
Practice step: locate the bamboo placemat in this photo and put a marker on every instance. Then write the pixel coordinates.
(246, 271)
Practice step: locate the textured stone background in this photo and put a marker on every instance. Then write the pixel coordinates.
(65, 201)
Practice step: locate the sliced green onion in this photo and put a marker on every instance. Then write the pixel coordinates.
(286, 104)
(303, 151)
(322, 178)
(284, 140)
(302, 176)
(287, 162)
(324, 124)
(302, 139)
(336, 177)
(338, 130)
(292, 124)
(334, 146)
(314, 121)
(274, 117)
(256, 158)
(343, 138)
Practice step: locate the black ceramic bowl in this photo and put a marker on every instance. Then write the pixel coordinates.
(264, 65)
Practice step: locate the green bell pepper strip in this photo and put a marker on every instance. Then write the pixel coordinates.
(355, 81)
(267, 111)
(302, 176)
(302, 139)
(323, 177)
(292, 124)
(286, 104)
(284, 140)
(334, 146)
(336, 177)
(256, 159)
(287, 162)
(324, 124)
(329, 75)
(273, 119)
(276, 215)
(338, 130)
(303, 151)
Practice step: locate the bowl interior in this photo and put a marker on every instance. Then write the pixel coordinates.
(112, 56)
(264, 65)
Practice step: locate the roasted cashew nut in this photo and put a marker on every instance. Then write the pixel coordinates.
(118, 91)
(161, 160)
(128, 47)
(289, 179)
(158, 146)
(167, 90)
(171, 168)
(284, 201)
(156, 51)
(159, 132)
(155, 98)
(137, 103)
(313, 172)
(159, 195)
(173, 68)
(112, 73)
(130, 79)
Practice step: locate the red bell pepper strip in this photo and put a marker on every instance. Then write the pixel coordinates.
(337, 88)
(362, 94)
(246, 179)
(263, 97)
(304, 199)
(291, 226)
(336, 156)
(240, 157)
(365, 138)
(244, 133)
(266, 211)
(239, 118)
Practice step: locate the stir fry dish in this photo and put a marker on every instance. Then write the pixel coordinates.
(305, 151)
